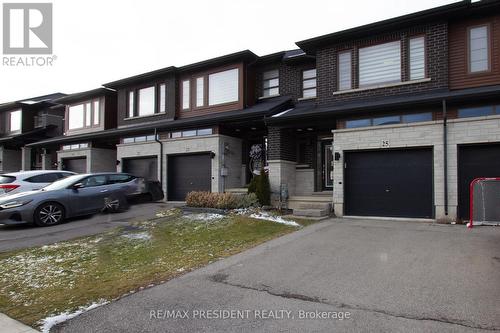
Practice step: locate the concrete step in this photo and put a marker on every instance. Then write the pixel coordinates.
(242, 190)
(311, 198)
(314, 205)
(311, 212)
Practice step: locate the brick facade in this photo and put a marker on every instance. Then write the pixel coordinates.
(436, 56)
(280, 144)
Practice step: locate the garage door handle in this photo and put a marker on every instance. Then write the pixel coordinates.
(387, 190)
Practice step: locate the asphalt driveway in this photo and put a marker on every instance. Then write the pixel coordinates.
(389, 276)
(14, 237)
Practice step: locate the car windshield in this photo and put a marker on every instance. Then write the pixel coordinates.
(63, 183)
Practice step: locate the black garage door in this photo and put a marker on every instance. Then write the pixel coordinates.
(393, 183)
(188, 173)
(146, 167)
(474, 162)
(78, 165)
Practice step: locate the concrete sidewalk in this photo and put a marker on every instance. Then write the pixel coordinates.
(9, 325)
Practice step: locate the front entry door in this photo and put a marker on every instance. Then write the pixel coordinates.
(327, 165)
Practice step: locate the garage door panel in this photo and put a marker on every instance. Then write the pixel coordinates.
(474, 162)
(77, 165)
(146, 167)
(188, 173)
(394, 183)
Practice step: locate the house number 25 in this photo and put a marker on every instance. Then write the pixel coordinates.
(385, 143)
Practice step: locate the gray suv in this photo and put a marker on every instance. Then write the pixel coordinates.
(69, 197)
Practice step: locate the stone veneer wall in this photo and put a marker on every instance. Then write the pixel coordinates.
(10, 160)
(426, 134)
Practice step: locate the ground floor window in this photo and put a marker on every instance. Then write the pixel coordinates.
(389, 120)
(75, 146)
(189, 133)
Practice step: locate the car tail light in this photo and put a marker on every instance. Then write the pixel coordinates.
(6, 188)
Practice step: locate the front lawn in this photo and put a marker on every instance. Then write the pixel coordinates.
(44, 281)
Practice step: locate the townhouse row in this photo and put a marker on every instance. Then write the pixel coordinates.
(391, 119)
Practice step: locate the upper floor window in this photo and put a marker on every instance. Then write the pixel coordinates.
(147, 101)
(417, 58)
(15, 121)
(270, 83)
(84, 115)
(211, 89)
(344, 70)
(186, 94)
(223, 87)
(380, 64)
(309, 83)
(478, 53)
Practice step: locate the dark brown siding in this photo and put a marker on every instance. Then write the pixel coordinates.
(458, 74)
(194, 111)
(123, 99)
(110, 111)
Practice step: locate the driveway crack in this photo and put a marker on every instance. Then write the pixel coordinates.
(222, 278)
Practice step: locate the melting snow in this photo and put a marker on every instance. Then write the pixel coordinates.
(204, 217)
(277, 219)
(51, 321)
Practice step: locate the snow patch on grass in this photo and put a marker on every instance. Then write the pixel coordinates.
(204, 217)
(49, 322)
(277, 219)
(138, 236)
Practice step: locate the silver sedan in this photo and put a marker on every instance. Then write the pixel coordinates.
(69, 197)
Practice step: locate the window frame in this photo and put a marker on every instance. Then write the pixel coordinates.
(191, 78)
(9, 121)
(426, 74)
(351, 52)
(156, 104)
(380, 83)
(86, 117)
(315, 78)
(270, 79)
(468, 47)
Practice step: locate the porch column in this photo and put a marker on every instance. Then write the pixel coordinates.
(281, 153)
(46, 160)
(25, 158)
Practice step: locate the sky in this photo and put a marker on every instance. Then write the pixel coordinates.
(98, 41)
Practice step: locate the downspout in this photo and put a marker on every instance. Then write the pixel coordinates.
(445, 153)
(161, 161)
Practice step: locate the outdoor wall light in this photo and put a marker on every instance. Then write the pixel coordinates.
(212, 154)
(118, 162)
(337, 156)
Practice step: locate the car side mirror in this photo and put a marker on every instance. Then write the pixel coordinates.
(77, 186)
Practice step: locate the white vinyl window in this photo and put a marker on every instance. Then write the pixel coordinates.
(200, 91)
(15, 121)
(479, 49)
(97, 113)
(417, 58)
(76, 114)
(131, 104)
(380, 64)
(163, 97)
(270, 83)
(223, 87)
(309, 83)
(344, 70)
(185, 94)
(146, 101)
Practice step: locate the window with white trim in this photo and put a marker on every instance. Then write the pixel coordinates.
(146, 101)
(163, 98)
(345, 70)
(200, 91)
(380, 64)
(479, 49)
(15, 121)
(84, 115)
(223, 87)
(417, 58)
(309, 83)
(270, 83)
(186, 95)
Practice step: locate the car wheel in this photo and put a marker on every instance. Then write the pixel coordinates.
(49, 213)
(115, 204)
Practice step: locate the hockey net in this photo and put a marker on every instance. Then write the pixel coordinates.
(484, 202)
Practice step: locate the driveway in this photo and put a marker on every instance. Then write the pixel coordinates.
(389, 276)
(14, 237)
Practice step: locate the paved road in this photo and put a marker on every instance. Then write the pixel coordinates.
(21, 236)
(390, 276)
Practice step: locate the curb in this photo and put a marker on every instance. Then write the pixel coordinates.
(10, 325)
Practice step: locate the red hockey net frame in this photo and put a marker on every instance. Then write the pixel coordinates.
(471, 193)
